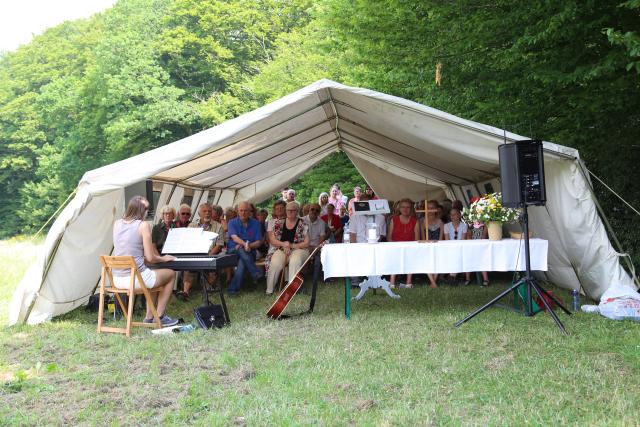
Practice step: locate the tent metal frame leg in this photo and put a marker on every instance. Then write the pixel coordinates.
(530, 285)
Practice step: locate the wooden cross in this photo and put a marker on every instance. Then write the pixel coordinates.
(426, 220)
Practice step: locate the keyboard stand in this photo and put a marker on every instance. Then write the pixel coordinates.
(205, 293)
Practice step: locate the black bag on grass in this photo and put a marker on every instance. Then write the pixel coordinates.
(209, 316)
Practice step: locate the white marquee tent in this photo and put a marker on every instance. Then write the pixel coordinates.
(401, 148)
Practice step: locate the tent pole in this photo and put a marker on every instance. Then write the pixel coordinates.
(335, 113)
(202, 194)
(173, 189)
(478, 190)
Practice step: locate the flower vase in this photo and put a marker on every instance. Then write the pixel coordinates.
(495, 230)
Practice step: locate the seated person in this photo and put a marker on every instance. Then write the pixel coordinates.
(132, 236)
(433, 232)
(229, 214)
(264, 247)
(446, 206)
(184, 216)
(457, 230)
(207, 224)
(318, 231)
(368, 191)
(404, 228)
(216, 213)
(161, 229)
(323, 201)
(334, 224)
(288, 241)
(245, 236)
(344, 218)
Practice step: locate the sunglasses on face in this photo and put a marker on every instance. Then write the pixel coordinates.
(185, 214)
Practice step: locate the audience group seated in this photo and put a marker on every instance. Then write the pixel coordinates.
(285, 239)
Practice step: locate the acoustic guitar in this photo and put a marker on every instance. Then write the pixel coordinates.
(290, 290)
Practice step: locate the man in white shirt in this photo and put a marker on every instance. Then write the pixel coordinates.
(358, 228)
(318, 231)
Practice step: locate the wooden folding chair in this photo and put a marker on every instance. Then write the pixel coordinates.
(122, 262)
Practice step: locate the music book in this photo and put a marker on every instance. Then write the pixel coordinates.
(188, 241)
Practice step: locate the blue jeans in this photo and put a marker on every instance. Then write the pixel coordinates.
(246, 261)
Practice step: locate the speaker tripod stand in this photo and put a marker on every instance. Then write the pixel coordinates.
(530, 285)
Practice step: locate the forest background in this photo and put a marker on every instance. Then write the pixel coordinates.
(146, 73)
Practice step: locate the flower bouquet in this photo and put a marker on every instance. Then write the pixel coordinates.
(487, 210)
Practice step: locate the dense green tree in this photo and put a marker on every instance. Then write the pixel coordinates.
(37, 86)
(148, 72)
(547, 70)
(135, 77)
(210, 48)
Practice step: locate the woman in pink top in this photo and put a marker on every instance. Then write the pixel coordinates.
(357, 196)
(335, 197)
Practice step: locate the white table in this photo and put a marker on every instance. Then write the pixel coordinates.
(447, 256)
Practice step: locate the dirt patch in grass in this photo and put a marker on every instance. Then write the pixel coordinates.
(364, 404)
(238, 375)
(498, 363)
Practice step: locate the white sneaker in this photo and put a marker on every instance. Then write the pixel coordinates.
(405, 285)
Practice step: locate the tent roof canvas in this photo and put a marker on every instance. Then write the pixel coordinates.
(400, 147)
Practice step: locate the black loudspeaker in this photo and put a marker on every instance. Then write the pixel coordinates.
(209, 316)
(522, 174)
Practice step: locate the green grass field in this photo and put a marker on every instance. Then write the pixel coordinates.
(394, 363)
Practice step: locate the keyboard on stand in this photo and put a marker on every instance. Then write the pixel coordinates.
(202, 263)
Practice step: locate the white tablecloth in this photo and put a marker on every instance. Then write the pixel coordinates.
(447, 256)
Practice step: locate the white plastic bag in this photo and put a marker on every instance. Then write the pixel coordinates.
(621, 309)
(620, 302)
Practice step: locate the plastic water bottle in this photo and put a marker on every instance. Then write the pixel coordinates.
(346, 236)
(575, 301)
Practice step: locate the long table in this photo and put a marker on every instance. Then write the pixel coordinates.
(448, 256)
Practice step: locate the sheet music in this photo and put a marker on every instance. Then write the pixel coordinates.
(209, 235)
(188, 241)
